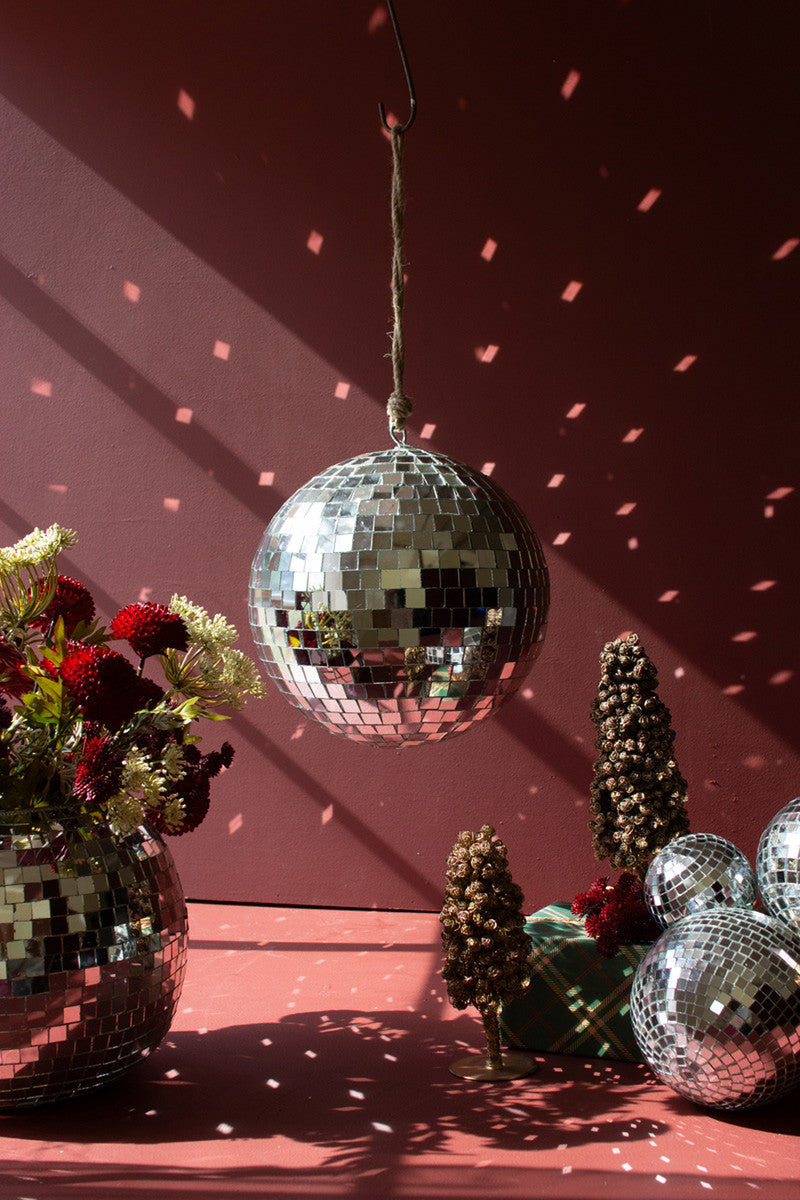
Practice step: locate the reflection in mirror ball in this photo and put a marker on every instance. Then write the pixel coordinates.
(778, 865)
(715, 1007)
(398, 597)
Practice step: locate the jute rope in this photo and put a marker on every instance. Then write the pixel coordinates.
(399, 406)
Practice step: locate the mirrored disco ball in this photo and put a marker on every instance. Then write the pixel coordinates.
(715, 1007)
(694, 872)
(398, 597)
(778, 864)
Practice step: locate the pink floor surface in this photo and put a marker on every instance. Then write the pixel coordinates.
(309, 1058)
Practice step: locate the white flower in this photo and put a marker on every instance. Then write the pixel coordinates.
(37, 548)
(173, 812)
(172, 761)
(212, 633)
(125, 813)
(212, 669)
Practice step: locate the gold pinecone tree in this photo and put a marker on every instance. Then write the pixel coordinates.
(485, 945)
(638, 795)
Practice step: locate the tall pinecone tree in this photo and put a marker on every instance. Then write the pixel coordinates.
(486, 947)
(638, 794)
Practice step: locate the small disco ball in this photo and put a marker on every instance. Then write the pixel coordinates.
(694, 872)
(715, 1008)
(778, 864)
(398, 597)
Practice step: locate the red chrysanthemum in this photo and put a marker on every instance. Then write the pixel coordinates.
(617, 914)
(99, 772)
(72, 602)
(150, 629)
(103, 684)
(12, 680)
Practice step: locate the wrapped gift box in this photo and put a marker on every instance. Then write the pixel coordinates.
(577, 1001)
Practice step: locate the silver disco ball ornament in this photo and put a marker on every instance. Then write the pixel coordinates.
(694, 872)
(778, 864)
(715, 1008)
(398, 597)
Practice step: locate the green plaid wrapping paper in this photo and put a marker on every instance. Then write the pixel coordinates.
(577, 1001)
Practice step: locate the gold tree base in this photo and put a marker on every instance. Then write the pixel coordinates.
(478, 1067)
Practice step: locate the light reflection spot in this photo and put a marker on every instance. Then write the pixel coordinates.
(131, 292)
(327, 814)
(488, 468)
(235, 824)
(667, 597)
(314, 243)
(746, 635)
(786, 249)
(561, 538)
(780, 493)
(41, 387)
(570, 83)
(763, 585)
(685, 362)
(571, 291)
(648, 200)
(183, 416)
(266, 479)
(556, 481)
(171, 504)
(427, 431)
(342, 390)
(186, 104)
(222, 350)
(487, 354)
(626, 509)
(575, 411)
(781, 677)
(489, 248)
(632, 435)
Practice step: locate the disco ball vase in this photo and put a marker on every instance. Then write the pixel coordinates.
(398, 597)
(715, 1008)
(778, 864)
(694, 872)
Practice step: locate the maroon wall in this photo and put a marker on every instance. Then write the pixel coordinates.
(174, 355)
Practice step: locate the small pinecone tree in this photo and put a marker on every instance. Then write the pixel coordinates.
(485, 945)
(638, 795)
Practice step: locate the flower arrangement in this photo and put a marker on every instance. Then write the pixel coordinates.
(616, 913)
(82, 728)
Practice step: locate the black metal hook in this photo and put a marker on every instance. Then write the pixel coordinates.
(411, 95)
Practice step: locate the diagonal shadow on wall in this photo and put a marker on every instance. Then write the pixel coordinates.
(134, 389)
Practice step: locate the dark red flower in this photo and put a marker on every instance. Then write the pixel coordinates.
(72, 602)
(103, 684)
(617, 914)
(12, 680)
(194, 787)
(150, 629)
(99, 772)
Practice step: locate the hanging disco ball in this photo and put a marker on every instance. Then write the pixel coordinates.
(694, 872)
(398, 597)
(778, 864)
(715, 1007)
